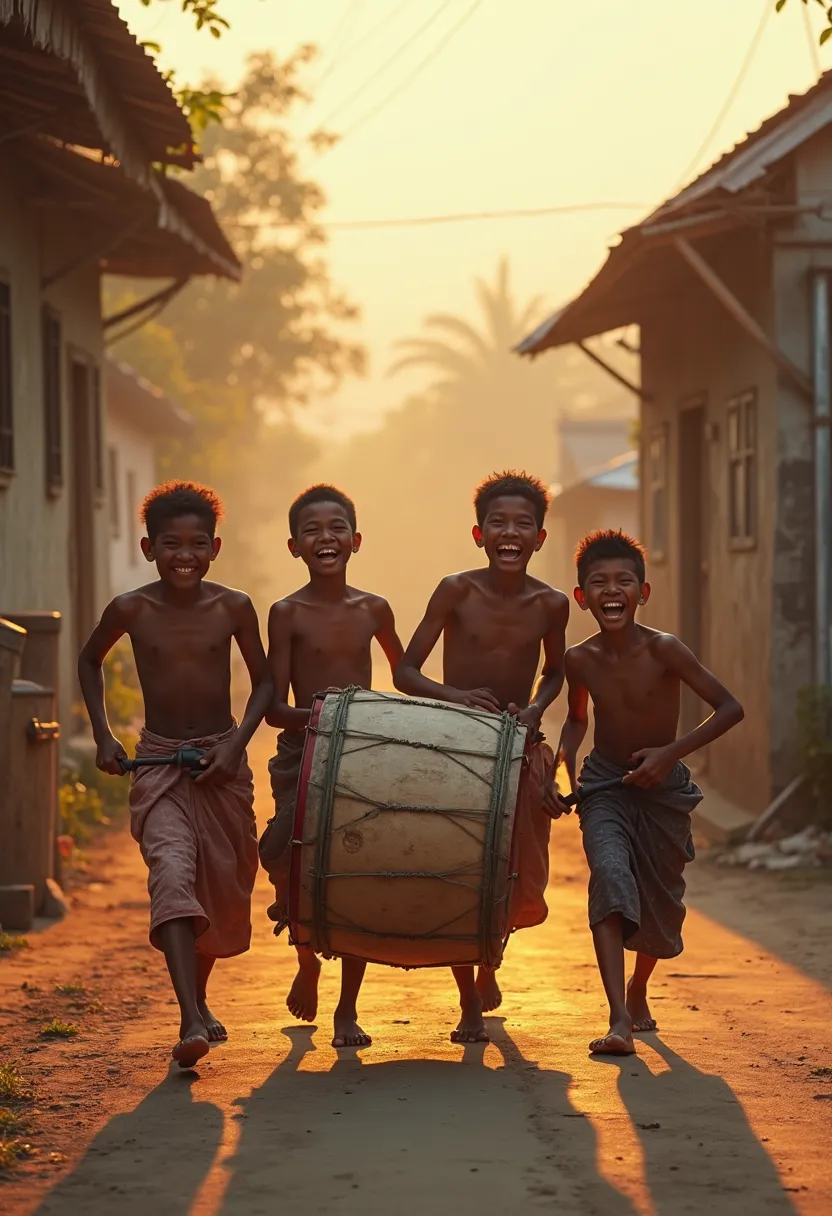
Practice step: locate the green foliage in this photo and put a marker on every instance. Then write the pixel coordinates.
(57, 1029)
(12, 1086)
(206, 15)
(9, 943)
(814, 721)
(124, 696)
(242, 358)
(825, 35)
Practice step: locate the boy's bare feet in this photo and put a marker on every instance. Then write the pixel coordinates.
(618, 1042)
(471, 1028)
(192, 1046)
(215, 1029)
(302, 1001)
(347, 1031)
(638, 1008)
(489, 989)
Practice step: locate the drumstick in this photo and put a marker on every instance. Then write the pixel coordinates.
(184, 757)
(586, 791)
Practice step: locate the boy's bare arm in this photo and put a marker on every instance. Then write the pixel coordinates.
(551, 676)
(280, 713)
(222, 763)
(112, 626)
(387, 637)
(577, 718)
(654, 763)
(408, 676)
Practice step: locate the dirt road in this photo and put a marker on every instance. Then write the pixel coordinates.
(727, 1110)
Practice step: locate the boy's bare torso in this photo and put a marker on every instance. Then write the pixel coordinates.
(331, 641)
(634, 694)
(494, 641)
(183, 657)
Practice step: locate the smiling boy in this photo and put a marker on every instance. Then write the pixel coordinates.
(197, 837)
(637, 837)
(320, 637)
(494, 622)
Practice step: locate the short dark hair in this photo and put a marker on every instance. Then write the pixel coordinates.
(610, 543)
(516, 483)
(320, 493)
(174, 498)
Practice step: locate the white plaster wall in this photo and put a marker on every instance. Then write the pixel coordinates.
(131, 474)
(35, 540)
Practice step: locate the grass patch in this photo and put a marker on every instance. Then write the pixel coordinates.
(56, 1029)
(74, 989)
(9, 943)
(10, 1153)
(12, 1123)
(12, 1086)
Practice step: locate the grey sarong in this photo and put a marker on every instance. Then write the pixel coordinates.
(284, 770)
(637, 843)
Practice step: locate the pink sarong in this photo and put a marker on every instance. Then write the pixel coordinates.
(532, 828)
(199, 843)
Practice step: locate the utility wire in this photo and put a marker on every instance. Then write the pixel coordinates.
(417, 71)
(814, 53)
(423, 221)
(338, 60)
(339, 36)
(391, 59)
(739, 80)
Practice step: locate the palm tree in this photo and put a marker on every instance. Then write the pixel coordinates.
(465, 358)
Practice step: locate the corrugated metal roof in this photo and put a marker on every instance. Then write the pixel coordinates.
(178, 235)
(620, 473)
(142, 403)
(611, 298)
(72, 69)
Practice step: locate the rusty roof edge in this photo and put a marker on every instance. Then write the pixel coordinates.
(53, 28)
(170, 220)
(117, 369)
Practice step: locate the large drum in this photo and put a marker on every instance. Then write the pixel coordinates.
(402, 843)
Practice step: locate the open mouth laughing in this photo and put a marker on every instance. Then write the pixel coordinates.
(509, 551)
(612, 609)
(328, 554)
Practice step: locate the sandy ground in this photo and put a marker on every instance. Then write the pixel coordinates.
(726, 1110)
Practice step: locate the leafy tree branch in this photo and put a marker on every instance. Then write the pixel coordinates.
(825, 34)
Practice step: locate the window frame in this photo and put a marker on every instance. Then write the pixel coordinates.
(658, 490)
(7, 428)
(53, 385)
(742, 457)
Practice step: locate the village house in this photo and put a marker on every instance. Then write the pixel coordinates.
(139, 418)
(729, 284)
(86, 120)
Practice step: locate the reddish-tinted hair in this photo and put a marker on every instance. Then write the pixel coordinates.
(516, 483)
(321, 493)
(609, 544)
(174, 498)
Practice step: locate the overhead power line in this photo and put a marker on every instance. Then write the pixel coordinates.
(417, 71)
(340, 59)
(388, 62)
(422, 221)
(739, 80)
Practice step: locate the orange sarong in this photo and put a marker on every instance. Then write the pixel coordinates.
(532, 828)
(199, 843)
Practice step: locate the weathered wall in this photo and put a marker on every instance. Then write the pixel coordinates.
(35, 540)
(135, 475)
(696, 349)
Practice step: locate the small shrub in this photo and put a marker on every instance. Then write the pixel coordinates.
(12, 1123)
(814, 723)
(56, 1029)
(10, 1153)
(74, 989)
(10, 943)
(12, 1086)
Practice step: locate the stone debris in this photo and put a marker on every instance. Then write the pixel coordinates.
(808, 849)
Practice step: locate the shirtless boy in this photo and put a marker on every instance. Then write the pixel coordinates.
(197, 837)
(637, 837)
(319, 638)
(494, 621)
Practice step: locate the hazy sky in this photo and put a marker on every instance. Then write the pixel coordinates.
(533, 103)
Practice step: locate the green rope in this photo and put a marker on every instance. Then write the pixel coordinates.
(323, 844)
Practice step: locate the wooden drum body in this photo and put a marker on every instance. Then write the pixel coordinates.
(402, 844)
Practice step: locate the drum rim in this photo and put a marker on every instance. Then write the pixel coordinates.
(300, 813)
